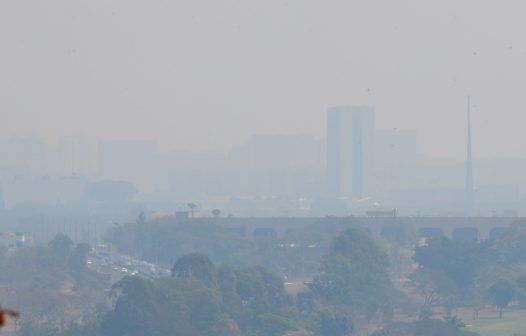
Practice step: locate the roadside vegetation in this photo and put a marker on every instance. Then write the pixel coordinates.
(338, 283)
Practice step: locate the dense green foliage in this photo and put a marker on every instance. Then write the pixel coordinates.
(452, 266)
(503, 292)
(511, 243)
(472, 274)
(165, 241)
(195, 265)
(200, 299)
(298, 253)
(334, 322)
(346, 280)
(51, 286)
(355, 273)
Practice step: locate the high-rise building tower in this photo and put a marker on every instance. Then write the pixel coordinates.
(350, 151)
(469, 165)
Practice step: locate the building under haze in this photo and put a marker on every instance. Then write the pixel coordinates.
(350, 151)
(77, 156)
(24, 157)
(136, 161)
(278, 165)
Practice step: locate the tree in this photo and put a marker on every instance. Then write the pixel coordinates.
(458, 261)
(333, 322)
(201, 299)
(355, 273)
(206, 309)
(476, 298)
(511, 243)
(195, 265)
(192, 207)
(246, 301)
(38, 281)
(79, 256)
(216, 213)
(203, 303)
(434, 286)
(142, 308)
(261, 290)
(164, 240)
(61, 245)
(502, 293)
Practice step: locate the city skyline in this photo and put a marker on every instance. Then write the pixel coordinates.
(388, 172)
(263, 69)
(262, 168)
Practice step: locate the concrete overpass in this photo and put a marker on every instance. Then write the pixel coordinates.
(452, 227)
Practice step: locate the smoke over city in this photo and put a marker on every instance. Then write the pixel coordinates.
(272, 168)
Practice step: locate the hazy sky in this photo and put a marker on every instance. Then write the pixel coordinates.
(198, 74)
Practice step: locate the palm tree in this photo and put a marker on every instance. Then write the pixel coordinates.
(192, 207)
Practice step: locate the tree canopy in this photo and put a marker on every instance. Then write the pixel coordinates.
(454, 264)
(355, 273)
(200, 299)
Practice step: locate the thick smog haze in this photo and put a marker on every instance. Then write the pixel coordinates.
(262, 168)
(209, 74)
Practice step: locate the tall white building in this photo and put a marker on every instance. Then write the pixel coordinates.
(350, 151)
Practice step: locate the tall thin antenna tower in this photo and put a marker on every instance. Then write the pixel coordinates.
(469, 166)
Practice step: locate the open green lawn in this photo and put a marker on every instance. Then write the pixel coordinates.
(512, 323)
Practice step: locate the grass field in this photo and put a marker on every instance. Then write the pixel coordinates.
(513, 323)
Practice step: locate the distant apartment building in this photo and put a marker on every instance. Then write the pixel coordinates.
(24, 156)
(350, 151)
(136, 161)
(283, 166)
(278, 165)
(42, 190)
